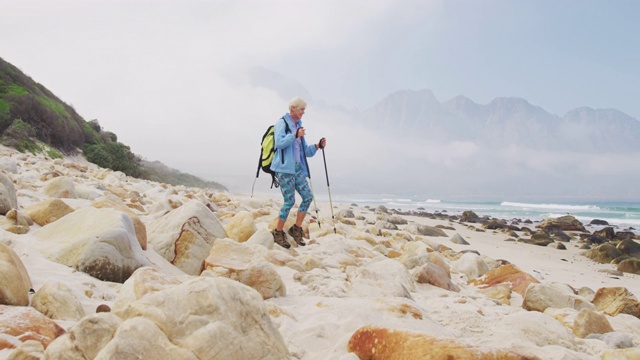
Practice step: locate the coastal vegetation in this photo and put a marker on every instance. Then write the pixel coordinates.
(33, 119)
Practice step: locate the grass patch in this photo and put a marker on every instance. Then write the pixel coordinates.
(29, 145)
(4, 107)
(15, 89)
(55, 106)
(54, 154)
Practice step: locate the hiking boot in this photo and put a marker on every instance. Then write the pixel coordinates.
(296, 232)
(280, 238)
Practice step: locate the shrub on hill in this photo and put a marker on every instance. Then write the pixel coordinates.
(115, 156)
(33, 119)
(157, 171)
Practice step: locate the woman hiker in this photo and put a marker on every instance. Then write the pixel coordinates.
(290, 166)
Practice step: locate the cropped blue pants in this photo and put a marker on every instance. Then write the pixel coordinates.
(289, 184)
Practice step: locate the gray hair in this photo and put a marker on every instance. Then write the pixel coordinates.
(297, 103)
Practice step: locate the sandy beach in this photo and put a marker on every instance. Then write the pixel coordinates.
(382, 286)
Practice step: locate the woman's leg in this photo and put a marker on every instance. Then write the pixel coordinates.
(302, 186)
(288, 189)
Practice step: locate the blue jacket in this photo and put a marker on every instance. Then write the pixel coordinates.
(284, 141)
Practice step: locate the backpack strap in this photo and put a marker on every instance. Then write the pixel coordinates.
(286, 130)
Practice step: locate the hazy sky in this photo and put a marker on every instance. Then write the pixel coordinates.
(170, 77)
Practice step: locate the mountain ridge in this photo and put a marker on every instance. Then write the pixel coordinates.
(504, 120)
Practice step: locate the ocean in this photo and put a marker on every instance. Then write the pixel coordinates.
(623, 215)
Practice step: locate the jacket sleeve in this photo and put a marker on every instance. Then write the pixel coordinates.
(281, 138)
(310, 150)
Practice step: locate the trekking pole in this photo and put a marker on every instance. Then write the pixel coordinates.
(313, 193)
(324, 158)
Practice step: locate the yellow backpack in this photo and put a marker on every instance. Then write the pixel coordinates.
(267, 152)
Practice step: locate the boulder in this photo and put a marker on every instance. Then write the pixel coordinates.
(425, 230)
(614, 339)
(589, 322)
(140, 335)
(381, 209)
(99, 242)
(630, 266)
(89, 192)
(499, 292)
(469, 216)
(57, 301)
(380, 278)
(396, 220)
(616, 300)
(8, 164)
(540, 238)
(262, 237)
(48, 211)
(629, 247)
(438, 259)
(18, 218)
(508, 273)
(458, 239)
(471, 265)
(372, 342)
(607, 233)
(566, 223)
(60, 187)
(8, 198)
(26, 323)
(346, 214)
(539, 297)
(241, 226)
(14, 279)
(433, 274)
(621, 354)
(540, 329)
(112, 201)
(603, 254)
(185, 235)
(212, 317)
(385, 225)
(28, 350)
(241, 263)
(144, 281)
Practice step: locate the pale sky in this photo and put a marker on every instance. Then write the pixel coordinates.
(170, 77)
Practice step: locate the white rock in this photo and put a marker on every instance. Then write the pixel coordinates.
(538, 297)
(88, 192)
(262, 237)
(142, 337)
(85, 338)
(99, 242)
(241, 226)
(57, 301)
(60, 187)
(246, 265)
(380, 278)
(213, 317)
(14, 279)
(8, 198)
(537, 328)
(185, 235)
(8, 164)
(471, 265)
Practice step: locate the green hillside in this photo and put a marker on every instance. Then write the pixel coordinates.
(31, 117)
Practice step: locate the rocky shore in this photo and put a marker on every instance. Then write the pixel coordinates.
(98, 265)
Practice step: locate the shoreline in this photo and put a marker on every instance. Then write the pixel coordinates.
(546, 263)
